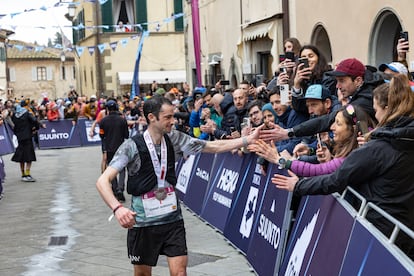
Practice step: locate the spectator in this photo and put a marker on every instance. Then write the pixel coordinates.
(319, 101)
(120, 28)
(345, 140)
(254, 109)
(230, 125)
(395, 68)
(2, 171)
(91, 108)
(286, 118)
(52, 112)
(352, 80)
(375, 169)
(24, 124)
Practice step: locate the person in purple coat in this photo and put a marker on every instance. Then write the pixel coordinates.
(345, 130)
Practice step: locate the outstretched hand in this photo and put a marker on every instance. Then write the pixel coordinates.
(276, 133)
(283, 182)
(263, 149)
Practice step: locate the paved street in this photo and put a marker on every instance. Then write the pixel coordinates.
(58, 225)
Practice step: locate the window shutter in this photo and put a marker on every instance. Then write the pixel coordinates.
(106, 13)
(34, 74)
(49, 73)
(12, 74)
(179, 22)
(141, 11)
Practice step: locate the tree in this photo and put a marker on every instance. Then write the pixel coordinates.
(58, 38)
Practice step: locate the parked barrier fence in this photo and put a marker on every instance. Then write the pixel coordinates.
(329, 236)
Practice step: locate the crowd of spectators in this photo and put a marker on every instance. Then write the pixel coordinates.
(297, 110)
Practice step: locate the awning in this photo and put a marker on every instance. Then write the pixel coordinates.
(258, 30)
(150, 76)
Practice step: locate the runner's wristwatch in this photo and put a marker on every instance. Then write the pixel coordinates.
(290, 133)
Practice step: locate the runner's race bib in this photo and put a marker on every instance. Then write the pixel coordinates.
(159, 202)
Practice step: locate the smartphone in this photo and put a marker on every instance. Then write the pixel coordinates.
(225, 82)
(305, 62)
(318, 137)
(281, 58)
(284, 94)
(246, 121)
(259, 80)
(362, 127)
(405, 36)
(290, 55)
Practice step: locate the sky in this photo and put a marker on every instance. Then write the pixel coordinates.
(38, 25)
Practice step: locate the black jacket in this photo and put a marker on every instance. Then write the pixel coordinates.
(381, 171)
(24, 124)
(361, 98)
(231, 118)
(113, 130)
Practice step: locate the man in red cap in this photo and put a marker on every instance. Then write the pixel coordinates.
(351, 80)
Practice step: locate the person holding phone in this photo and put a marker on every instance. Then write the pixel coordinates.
(403, 47)
(311, 69)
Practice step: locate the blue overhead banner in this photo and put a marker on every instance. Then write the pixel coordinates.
(226, 180)
(243, 213)
(367, 256)
(195, 195)
(270, 227)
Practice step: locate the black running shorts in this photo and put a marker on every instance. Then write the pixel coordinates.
(145, 244)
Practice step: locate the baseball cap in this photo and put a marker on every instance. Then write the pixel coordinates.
(317, 91)
(397, 67)
(111, 105)
(348, 67)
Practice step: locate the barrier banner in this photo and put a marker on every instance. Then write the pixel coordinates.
(84, 126)
(367, 256)
(270, 227)
(243, 213)
(227, 175)
(59, 134)
(318, 239)
(195, 194)
(184, 176)
(6, 142)
(2, 171)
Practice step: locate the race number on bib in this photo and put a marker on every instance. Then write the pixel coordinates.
(154, 206)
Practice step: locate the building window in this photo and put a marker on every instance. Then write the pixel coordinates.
(2, 54)
(63, 72)
(41, 73)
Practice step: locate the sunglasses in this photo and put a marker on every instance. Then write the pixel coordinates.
(351, 112)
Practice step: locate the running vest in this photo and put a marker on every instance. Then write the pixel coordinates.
(146, 179)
